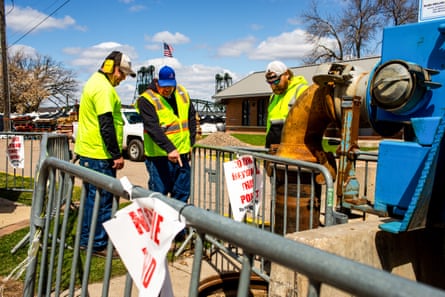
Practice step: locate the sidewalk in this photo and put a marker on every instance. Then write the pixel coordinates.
(13, 216)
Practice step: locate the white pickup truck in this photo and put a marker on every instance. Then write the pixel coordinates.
(133, 143)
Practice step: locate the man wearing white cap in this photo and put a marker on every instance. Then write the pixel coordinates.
(99, 140)
(286, 88)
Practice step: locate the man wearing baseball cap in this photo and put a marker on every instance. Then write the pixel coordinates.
(286, 87)
(99, 140)
(169, 133)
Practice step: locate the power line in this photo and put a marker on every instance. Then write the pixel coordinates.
(12, 8)
(39, 23)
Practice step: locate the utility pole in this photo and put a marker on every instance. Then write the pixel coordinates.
(4, 61)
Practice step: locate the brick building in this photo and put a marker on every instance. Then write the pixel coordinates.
(246, 100)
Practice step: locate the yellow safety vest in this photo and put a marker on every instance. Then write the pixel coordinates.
(175, 127)
(279, 105)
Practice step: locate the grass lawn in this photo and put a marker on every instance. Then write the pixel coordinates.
(252, 139)
(8, 242)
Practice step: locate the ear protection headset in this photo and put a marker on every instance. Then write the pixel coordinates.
(111, 61)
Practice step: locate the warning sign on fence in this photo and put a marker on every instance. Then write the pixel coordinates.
(142, 234)
(244, 184)
(16, 152)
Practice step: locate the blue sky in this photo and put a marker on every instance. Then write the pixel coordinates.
(208, 37)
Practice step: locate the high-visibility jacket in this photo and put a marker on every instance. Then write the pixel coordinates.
(175, 127)
(279, 105)
(98, 97)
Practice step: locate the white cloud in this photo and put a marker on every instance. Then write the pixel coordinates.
(256, 27)
(288, 45)
(22, 20)
(170, 38)
(237, 48)
(27, 50)
(137, 8)
(153, 47)
(90, 58)
(198, 79)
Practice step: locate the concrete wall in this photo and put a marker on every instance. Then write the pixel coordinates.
(417, 255)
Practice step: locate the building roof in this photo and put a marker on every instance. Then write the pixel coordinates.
(254, 85)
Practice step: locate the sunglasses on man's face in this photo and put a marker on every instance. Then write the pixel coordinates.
(274, 82)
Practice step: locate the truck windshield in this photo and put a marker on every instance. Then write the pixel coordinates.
(133, 117)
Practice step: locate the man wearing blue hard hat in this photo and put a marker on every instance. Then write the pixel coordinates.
(169, 133)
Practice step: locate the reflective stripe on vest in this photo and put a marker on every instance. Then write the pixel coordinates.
(174, 127)
(183, 95)
(157, 103)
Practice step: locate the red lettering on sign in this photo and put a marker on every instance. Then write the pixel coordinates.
(247, 185)
(139, 221)
(148, 268)
(239, 163)
(242, 174)
(146, 220)
(247, 160)
(246, 198)
(157, 229)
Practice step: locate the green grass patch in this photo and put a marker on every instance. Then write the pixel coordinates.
(331, 146)
(10, 241)
(17, 193)
(11, 188)
(20, 189)
(252, 139)
(10, 261)
(7, 243)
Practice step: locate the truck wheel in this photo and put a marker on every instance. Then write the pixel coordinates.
(135, 150)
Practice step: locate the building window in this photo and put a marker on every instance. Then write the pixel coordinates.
(246, 113)
(261, 112)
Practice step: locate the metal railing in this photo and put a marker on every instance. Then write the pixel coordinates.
(52, 224)
(209, 189)
(16, 179)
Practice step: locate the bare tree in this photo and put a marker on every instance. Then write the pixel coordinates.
(319, 31)
(351, 33)
(34, 79)
(359, 25)
(399, 12)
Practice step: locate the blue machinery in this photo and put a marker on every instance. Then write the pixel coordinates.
(405, 92)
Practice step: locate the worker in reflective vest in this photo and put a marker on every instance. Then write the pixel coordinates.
(99, 143)
(169, 120)
(286, 88)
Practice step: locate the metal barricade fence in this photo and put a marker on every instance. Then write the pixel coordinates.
(17, 178)
(52, 245)
(50, 144)
(291, 199)
(209, 188)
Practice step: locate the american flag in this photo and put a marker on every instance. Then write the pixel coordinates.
(168, 50)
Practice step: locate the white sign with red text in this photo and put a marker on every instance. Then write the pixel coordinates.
(142, 234)
(244, 184)
(16, 152)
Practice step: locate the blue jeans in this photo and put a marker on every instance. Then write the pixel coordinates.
(105, 207)
(169, 178)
